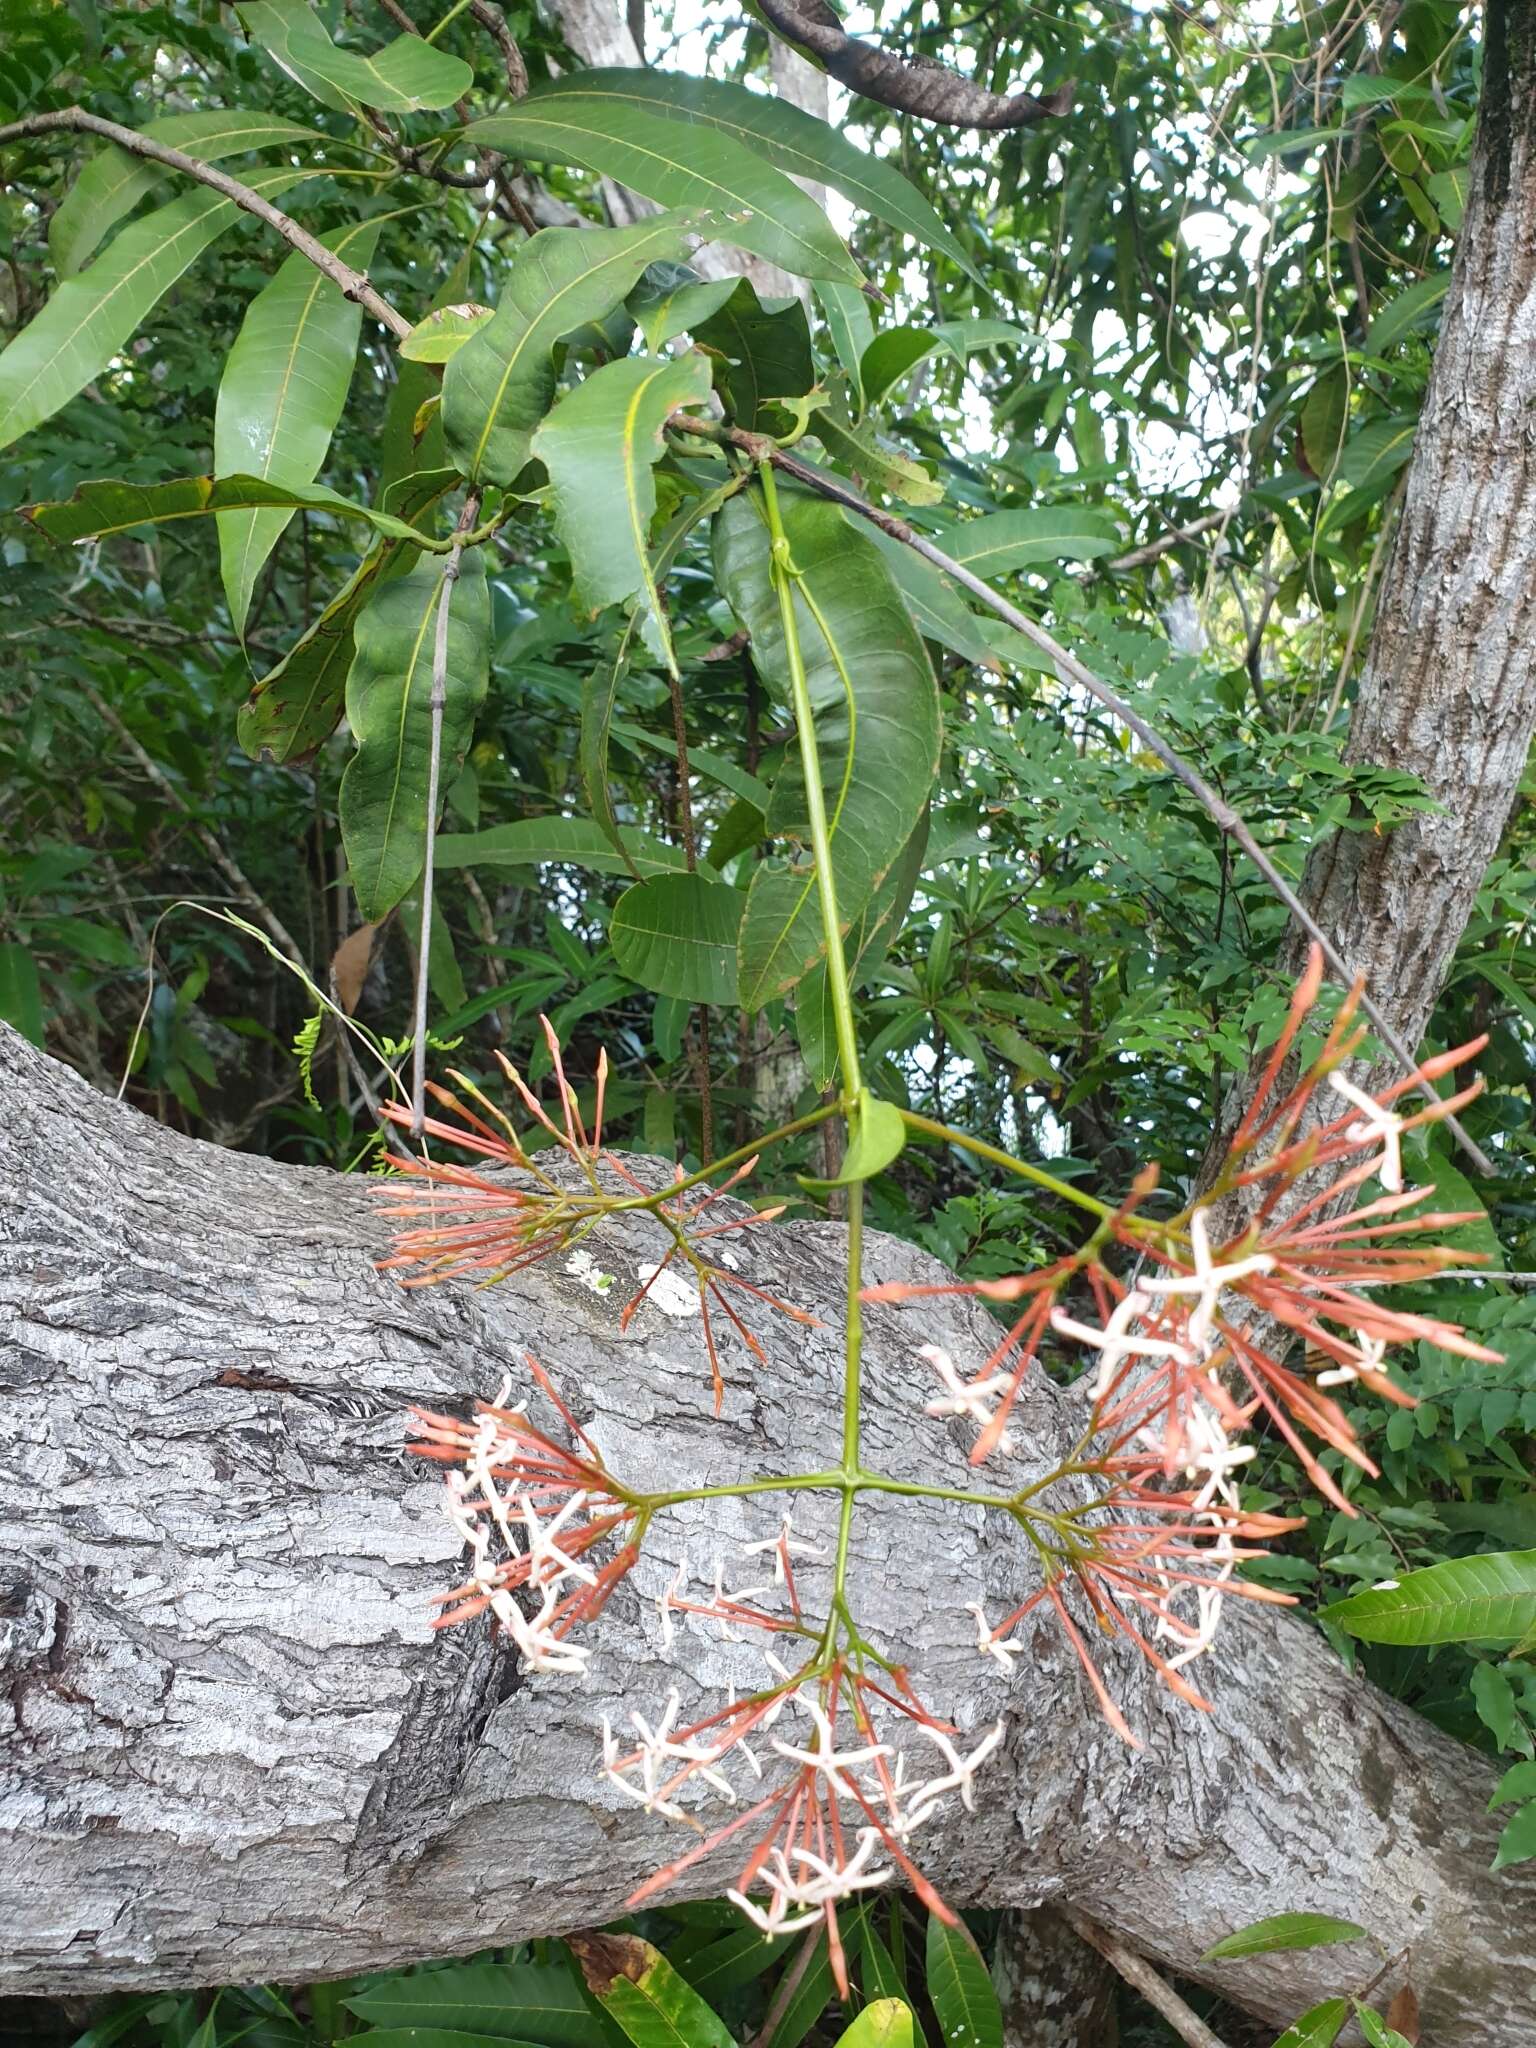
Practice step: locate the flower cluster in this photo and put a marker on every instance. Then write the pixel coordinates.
(529, 1511)
(470, 1226)
(831, 1765)
(1189, 1353)
(843, 1796)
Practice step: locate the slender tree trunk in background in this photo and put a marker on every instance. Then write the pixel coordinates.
(1449, 690)
(236, 1750)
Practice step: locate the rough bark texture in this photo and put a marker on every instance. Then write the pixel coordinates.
(1449, 692)
(237, 1752)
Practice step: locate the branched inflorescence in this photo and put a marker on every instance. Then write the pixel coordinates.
(1246, 1313)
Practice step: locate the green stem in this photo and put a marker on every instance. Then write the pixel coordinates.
(784, 575)
(739, 1157)
(932, 1128)
(457, 9)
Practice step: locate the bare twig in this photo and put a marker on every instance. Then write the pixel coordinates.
(1141, 1976)
(923, 87)
(1175, 537)
(1069, 668)
(434, 771)
(351, 283)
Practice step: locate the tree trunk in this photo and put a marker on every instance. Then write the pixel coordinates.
(238, 1751)
(1449, 691)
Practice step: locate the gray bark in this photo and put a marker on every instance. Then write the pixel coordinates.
(237, 1752)
(1449, 691)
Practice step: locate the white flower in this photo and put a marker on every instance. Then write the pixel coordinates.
(785, 1545)
(826, 1758)
(1207, 1280)
(962, 1397)
(1379, 1122)
(1114, 1342)
(1000, 1652)
(1370, 1357)
(669, 1600)
(958, 1778)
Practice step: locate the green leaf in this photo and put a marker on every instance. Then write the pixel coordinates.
(1318, 2028)
(21, 995)
(601, 445)
(742, 1955)
(296, 706)
(405, 77)
(443, 333)
(1324, 417)
(518, 2002)
(1376, 2030)
(935, 604)
(1467, 1600)
(886, 468)
(960, 1989)
(281, 395)
(782, 135)
(862, 655)
(533, 842)
(897, 351)
(851, 326)
(1285, 1931)
(887, 2023)
(1004, 541)
(1518, 1782)
(1406, 311)
(676, 934)
(768, 350)
(100, 509)
(1375, 454)
(1454, 1194)
(677, 164)
(113, 181)
(878, 1136)
(636, 1985)
(435, 2037)
(1517, 1842)
(89, 317)
(383, 801)
(671, 299)
(498, 386)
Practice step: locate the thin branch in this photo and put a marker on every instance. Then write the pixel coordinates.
(351, 283)
(434, 771)
(1176, 537)
(923, 87)
(1069, 668)
(1141, 1976)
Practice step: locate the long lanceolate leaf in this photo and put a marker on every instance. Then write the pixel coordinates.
(1467, 1600)
(282, 392)
(498, 386)
(296, 706)
(677, 163)
(782, 134)
(600, 692)
(878, 724)
(406, 75)
(89, 317)
(111, 506)
(113, 182)
(383, 803)
(600, 446)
